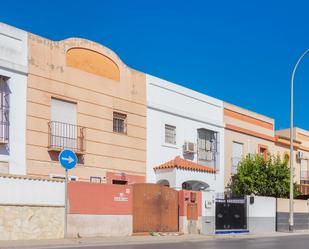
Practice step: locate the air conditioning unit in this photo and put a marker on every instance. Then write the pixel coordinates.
(189, 148)
(300, 155)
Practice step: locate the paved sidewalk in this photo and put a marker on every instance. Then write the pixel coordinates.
(108, 241)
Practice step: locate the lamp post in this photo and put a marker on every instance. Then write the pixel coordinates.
(291, 220)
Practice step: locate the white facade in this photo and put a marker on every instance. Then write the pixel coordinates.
(13, 66)
(188, 111)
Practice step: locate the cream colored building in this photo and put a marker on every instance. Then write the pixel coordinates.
(81, 96)
(300, 154)
(245, 132)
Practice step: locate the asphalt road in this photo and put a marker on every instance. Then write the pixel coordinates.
(287, 242)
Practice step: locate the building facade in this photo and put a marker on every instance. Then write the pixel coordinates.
(246, 133)
(185, 137)
(82, 97)
(300, 155)
(13, 93)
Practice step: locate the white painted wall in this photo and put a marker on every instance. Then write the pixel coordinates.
(262, 207)
(31, 191)
(14, 64)
(168, 103)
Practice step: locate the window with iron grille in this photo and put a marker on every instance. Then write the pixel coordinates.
(119, 122)
(207, 147)
(170, 134)
(4, 109)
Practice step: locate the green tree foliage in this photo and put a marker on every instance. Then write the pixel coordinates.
(264, 177)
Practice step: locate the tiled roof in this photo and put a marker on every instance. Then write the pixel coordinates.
(181, 163)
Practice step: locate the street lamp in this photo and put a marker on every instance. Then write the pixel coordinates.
(291, 220)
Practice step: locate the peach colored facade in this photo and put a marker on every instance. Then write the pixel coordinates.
(94, 79)
(245, 132)
(301, 145)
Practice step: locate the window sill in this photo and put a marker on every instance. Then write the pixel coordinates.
(174, 146)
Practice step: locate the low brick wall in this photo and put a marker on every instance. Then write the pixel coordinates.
(31, 222)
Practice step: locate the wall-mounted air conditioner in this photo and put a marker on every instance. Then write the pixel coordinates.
(300, 155)
(189, 148)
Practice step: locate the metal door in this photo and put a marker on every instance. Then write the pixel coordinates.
(231, 214)
(155, 208)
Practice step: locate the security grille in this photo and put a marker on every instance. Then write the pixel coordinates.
(4, 109)
(170, 134)
(119, 122)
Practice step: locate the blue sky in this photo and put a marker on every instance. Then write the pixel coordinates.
(242, 52)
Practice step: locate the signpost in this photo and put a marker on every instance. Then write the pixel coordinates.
(68, 160)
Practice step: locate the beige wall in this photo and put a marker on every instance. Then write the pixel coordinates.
(248, 128)
(301, 144)
(300, 206)
(96, 97)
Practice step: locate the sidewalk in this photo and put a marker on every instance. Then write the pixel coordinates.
(108, 241)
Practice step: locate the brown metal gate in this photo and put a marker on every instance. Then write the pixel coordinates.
(155, 208)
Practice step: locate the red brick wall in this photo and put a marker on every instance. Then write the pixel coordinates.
(104, 199)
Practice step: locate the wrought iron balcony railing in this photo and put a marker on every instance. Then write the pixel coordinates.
(66, 136)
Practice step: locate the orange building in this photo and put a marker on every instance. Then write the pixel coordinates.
(81, 96)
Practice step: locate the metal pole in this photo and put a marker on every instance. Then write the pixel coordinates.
(66, 205)
(291, 219)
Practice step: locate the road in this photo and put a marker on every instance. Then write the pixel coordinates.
(286, 242)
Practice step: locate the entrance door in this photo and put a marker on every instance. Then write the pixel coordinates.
(155, 208)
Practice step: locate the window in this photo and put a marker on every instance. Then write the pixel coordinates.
(64, 133)
(237, 153)
(304, 171)
(263, 151)
(4, 109)
(119, 122)
(170, 134)
(207, 147)
(95, 179)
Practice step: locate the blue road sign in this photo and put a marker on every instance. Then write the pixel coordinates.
(67, 159)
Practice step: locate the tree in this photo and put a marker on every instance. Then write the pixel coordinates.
(265, 177)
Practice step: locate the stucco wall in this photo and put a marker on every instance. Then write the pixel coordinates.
(99, 225)
(14, 66)
(250, 145)
(96, 97)
(261, 214)
(168, 103)
(25, 191)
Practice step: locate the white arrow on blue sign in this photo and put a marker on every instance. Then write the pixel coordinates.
(67, 159)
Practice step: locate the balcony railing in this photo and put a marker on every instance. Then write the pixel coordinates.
(66, 136)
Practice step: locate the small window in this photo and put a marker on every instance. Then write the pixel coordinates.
(263, 151)
(95, 179)
(119, 122)
(120, 182)
(170, 134)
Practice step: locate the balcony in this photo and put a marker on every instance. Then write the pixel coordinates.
(62, 136)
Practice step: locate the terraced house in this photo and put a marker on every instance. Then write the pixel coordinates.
(71, 94)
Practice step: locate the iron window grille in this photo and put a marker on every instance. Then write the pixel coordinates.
(119, 122)
(170, 134)
(66, 136)
(4, 109)
(207, 147)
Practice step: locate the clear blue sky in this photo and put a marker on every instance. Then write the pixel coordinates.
(242, 52)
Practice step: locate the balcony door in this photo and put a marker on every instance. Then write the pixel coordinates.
(64, 131)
